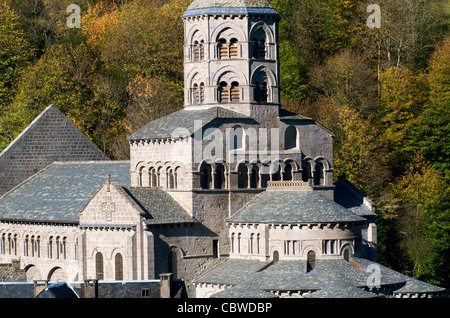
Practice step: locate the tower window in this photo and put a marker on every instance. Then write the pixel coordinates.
(196, 51)
(233, 49)
(223, 90)
(235, 92)
(205, 176)
(196, 92)
(219, 180)
(202, 93)
(259, 44)
(223, 49)
(202, 50)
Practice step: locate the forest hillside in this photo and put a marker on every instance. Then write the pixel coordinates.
(384, 92)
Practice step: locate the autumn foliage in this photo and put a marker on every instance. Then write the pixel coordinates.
(383, 92)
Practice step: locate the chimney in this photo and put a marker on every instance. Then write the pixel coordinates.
(164, 288)
(39, 286)
(91, 288)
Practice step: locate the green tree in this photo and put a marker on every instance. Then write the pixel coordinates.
(423, 220)
(15, 53)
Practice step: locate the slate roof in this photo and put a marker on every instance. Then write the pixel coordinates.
(295, 206)
(200, 4)
(60, 191)
(330, 278)
(159, 206)
(235, 7)
(106, 289)
(185, 119)
(351, 198)
(50, 137)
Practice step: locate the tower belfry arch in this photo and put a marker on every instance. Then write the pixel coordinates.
(239, 56)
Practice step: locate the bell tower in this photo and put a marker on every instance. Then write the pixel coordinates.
(231, 56)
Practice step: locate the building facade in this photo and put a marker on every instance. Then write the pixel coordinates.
(231, 177)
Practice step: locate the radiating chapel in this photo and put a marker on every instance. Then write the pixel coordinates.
(232, 193)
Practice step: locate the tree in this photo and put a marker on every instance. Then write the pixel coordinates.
(432, 133)
(403, 95)
(423, 220)
(15, 53)
(348, 78)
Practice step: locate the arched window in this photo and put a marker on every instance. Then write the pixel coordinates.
(276, 173)
(223, 49)
(63, 247)
(173, 263)
(196, 51)
(57, 247)
(38, 246)
(290, 138)
(234, 92)
(311, 261)
(152, 178)
(3, 244)
(196, 93)
(347, 254)
(318, 174)
(223, 93)
(215, 248)
(118, 266)
(202, 50)
(201, 93)
(242, 176)
(254, 177)
(237, 138)
(239, 243)
(50, 247)
(141, 176)
(233, 49)
(275, 256)
(99, 274)
(260, 87)
(219, 180)
(306, 173)
(232, 242)
(170, 179)
(257, 243)
(287, 174)
(257, 92)
(205, 176)
(259, 44)
(250, 244)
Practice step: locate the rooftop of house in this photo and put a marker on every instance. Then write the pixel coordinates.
(329, 278)
(60, 191)
(293, 206)
(106, 289)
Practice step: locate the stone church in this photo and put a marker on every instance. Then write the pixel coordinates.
(232, 193)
